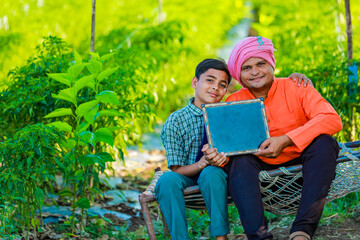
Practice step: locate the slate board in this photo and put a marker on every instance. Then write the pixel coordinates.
(237, 127)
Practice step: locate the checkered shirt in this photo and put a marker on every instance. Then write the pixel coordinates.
(182, 135)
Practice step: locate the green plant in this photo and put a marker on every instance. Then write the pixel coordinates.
(85, 131)
(28, 167)
(28, 98)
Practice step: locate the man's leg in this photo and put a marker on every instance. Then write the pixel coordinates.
(243, 184)
(319, 163)
(213, 186)
(169, 192)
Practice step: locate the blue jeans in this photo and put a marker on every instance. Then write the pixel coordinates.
(319, 163)
(169, 192)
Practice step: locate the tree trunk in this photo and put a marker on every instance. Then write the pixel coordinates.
(92, 45)
(349, 58)
(161, 14)
(348, 31)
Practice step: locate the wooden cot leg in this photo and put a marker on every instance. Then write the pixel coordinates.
(166, 229)
(148, 221)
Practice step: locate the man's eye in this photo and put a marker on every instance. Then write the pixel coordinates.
(209, 80)
(260, 64)
(245, 68)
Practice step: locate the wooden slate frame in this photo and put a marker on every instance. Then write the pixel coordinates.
(237, 127)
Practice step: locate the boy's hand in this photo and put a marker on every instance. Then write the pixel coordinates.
(213, 157)
(202, 163)
(301, 78)
(272, 147)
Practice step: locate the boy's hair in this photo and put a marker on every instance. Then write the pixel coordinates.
(206, 64)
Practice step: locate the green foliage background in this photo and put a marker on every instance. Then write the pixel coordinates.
(155, 60)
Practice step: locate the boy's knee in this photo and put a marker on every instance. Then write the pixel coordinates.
(212, 174)
(169, 180)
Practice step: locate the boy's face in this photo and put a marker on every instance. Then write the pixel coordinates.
(211, 87)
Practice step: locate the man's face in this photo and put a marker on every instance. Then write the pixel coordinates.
(210, 87)
(257, 74)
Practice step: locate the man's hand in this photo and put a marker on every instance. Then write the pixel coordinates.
(301, 78)
(272, 147)
(213, 157)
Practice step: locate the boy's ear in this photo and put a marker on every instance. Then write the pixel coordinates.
(194, 82)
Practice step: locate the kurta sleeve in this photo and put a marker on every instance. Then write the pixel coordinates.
(322, 118)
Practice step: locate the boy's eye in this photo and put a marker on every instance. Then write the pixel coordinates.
(223, 85)
(209, 80)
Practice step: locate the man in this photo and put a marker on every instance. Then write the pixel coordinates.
(182, 137)
(301, 123)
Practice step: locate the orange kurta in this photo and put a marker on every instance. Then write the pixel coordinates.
(301, 113)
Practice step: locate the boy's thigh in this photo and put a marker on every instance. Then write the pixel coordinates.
(173, 179)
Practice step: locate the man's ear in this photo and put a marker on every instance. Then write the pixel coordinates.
(194, 82)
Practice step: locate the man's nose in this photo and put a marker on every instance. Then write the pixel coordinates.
(254, 70)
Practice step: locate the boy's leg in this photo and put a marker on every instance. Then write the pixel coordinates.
(213, 186)
(169, 192)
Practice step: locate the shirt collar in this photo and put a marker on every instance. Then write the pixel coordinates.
(270, 93)
(194, 109)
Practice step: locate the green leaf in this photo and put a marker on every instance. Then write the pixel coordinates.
(82, 127)
(75, 70)
(96, 191)
(87, 137)
(66, 94)
(94, 66)
(108, 96)
(110, 113)
(59, 113)
(35, 222)
(65, 193)
(77, 57)
(106, 56)
(78, 175)
(61, 126)
(87, 159)
(86, 107)
(39, 196)
(83, 203)
(106, 73)
(104, 135)
(91, 115)
(87, 81)
(105, 157)
(95, 55)
(61, 77)
(69, 143)
(99, 158)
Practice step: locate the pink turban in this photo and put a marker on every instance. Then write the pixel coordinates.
(250, 47)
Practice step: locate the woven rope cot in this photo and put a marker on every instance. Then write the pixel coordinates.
(281, 188)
